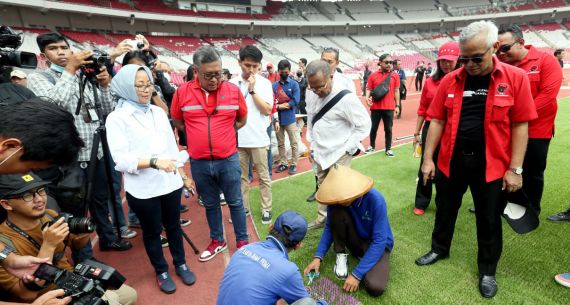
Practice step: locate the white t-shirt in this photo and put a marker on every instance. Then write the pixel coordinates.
(254, 133)
(341, 82)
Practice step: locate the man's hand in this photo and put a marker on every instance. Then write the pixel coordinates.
(351, 284)
(313, 266)
(417, 138)
(428, 169)
(284, 106)
(143, 39)
(277, 126)
(251, 81)
(311, 159)
(22, 266)
(76, 60)
(103, 77)
(55, 233)
(51, 298)
(121, 48)
(512, 182)
(396, 111)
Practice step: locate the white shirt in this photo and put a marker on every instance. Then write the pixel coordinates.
(341, 82)
(340, 130)
(254, 133)
(134, 135)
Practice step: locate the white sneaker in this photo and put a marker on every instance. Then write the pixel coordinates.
(390, 153)
(341, 266)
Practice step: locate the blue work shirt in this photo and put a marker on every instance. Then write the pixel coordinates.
(261, 274)
(402, 74)
(371, 221)
(291, 88)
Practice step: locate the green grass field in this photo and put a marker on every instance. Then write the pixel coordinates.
(529, 262)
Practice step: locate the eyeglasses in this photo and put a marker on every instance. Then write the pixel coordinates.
(505, 48)
(211, 75)
(29, 196)
(475, 59)
(143, 88)
(388, 62)
(319, 88)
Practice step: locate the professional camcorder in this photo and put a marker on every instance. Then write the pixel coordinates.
(9, 42)
(77, 225)
(86, 284)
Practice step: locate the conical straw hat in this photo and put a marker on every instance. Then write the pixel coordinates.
(343, 185)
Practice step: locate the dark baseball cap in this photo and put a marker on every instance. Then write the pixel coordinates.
(17, 184)
(519, 214)
(291, 225)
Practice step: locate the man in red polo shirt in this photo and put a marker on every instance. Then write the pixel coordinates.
(545, 77)
(211, 111)
(480, 117)
(383, 109)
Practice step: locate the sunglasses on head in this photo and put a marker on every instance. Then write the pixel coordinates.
(505, 48)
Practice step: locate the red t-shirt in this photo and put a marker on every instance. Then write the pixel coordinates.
(509, 101)
(388, 102)
(545, 77)
(428, 93)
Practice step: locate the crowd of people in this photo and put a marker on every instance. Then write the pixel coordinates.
(485, 121)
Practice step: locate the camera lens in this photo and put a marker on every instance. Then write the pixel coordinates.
(140, 45)
(81, 225)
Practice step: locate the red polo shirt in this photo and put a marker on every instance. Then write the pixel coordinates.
(387, 102)
(509, 101)
(428, 93)
(545, 77)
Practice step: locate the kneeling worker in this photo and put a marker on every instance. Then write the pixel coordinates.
(261, 273)
(358, 221)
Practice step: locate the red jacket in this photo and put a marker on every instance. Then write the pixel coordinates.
(210, 125)
(387, 102)
(428, 93)
(545, 77)
(509, 101)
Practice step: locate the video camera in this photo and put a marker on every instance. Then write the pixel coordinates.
(86, 284)
(9, 42)
(77, 225)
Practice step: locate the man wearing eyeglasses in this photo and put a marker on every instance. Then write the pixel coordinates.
(480, 117)
(545, 78)
(384, 108)
(31, 229)
(211, 111)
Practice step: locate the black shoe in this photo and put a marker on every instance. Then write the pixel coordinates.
(312, 197)
(488, 286)
(430, 258)
(118, 245)
(562, 216)
(184, 208)
(281, 168)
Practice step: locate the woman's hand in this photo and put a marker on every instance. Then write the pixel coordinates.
(168, 166)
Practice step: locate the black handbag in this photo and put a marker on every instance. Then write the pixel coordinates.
(382, 89)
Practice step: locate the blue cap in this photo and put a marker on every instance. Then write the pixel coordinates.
(291, 225)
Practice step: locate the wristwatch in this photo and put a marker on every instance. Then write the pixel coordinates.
(517, 170)
(252, 92)
(184, 177)
(4, 253)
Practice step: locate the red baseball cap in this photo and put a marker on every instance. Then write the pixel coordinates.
(269, 65)
(449, 51)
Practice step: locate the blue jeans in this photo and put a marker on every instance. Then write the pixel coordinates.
(269, 157)
(154, 213)
(210, 177)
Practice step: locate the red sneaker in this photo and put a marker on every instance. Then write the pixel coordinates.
(213, 249)
(419, 211)
(241, 243)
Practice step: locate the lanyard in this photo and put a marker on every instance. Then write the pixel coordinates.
(21, 232)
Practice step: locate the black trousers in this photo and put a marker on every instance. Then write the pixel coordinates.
(419, 81)
(344, 236)
(382, 115)
(153, 214)
(424, 192)
(468, 170)
(533, 170)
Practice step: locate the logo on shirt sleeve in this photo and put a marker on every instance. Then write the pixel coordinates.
(502, 89)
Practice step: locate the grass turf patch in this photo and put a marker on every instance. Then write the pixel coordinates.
(527, 267)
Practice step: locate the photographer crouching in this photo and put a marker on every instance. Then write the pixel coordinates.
(31, 229)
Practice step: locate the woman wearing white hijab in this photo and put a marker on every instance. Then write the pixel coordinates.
(144, 149)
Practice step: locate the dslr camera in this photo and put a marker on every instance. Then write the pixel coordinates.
(77, 225)
(99, 59)
(10, 41)
(86, 284)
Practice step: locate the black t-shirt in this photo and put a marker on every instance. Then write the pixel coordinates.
(470, 134)
(420, 70)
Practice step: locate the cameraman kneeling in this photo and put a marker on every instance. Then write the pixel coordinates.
(24, 198)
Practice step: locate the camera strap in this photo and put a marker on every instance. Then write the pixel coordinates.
(21, 232)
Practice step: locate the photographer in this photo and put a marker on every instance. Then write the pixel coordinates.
(30, 229)
(61, 83)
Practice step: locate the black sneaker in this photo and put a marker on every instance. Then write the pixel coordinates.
(118, 245)
(312, 197)
(292, 170)
(281, 168)
(266, 217)
(163, 241)
(185, 222)
(562, 216)
(183, 208)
